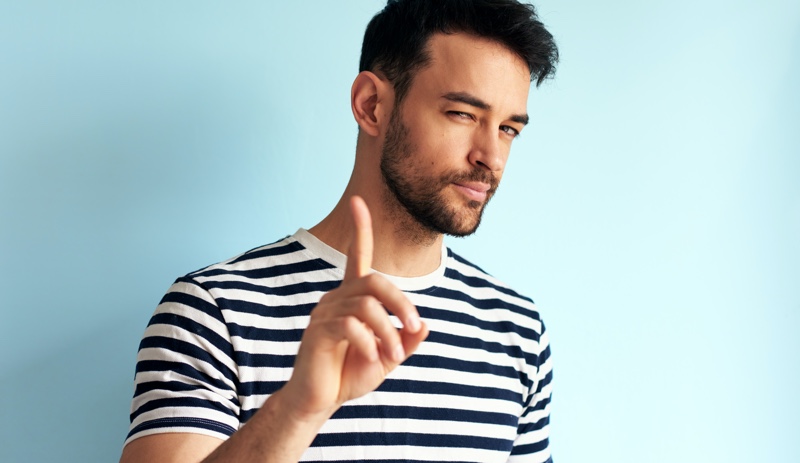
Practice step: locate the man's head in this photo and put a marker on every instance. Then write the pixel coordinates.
(458, 74)
(396, 40)
(446, 145)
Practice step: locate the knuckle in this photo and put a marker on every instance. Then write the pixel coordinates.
(363, 304)
(376, 283)
(350, 324)
(370, 280)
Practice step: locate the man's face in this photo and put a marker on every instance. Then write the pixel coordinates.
(447, 144)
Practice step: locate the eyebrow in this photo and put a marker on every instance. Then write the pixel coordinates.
(466, 98)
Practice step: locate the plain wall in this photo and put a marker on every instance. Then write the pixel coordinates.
(652, 208)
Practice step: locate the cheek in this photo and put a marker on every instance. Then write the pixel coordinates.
(449, 148)
(444, 153)
(440, 145)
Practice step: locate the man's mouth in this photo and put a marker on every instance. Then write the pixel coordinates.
(475, 191)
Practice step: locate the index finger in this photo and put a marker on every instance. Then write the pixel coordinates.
(359, 256)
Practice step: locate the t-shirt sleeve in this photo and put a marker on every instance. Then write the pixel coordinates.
(186, 379)
(532, 443)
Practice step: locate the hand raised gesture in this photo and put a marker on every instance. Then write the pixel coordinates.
(350, 344)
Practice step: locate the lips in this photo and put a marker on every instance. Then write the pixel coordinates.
(475, 191)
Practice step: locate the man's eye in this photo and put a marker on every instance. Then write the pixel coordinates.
(510, 130)
(460, 114)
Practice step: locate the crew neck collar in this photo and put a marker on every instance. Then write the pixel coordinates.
(339, 260)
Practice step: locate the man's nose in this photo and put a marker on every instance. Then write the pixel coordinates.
(487, 150)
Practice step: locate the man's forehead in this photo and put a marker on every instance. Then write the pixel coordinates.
(483, 68)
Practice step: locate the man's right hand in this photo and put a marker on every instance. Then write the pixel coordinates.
(350, 344)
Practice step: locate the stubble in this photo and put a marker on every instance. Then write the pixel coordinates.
(416, 200)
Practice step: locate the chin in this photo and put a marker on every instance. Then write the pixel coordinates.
(465, 225)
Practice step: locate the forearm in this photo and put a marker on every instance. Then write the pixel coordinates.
(275, 434)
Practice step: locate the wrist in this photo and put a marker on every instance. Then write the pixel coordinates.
(278, 432)
(294, 412)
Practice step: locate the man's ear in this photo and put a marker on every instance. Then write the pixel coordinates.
(371, 98)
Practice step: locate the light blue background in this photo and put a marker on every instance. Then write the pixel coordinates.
(652, 208)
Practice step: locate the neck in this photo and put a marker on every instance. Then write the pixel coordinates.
(402, 247)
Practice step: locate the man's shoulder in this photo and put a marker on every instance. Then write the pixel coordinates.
(284, 256)
(470, 274)
(281, 274)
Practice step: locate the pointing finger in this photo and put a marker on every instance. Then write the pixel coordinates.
(359, 256)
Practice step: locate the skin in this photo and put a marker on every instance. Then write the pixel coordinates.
(461, 114)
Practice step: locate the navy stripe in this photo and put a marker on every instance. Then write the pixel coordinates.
(540, 405)
(193, 327)
(544, 355)
(411, 439)
(501, 326)
(438, 387)
(485, 304)
(247, 359)
(257, 334)
(545, 381)
(187, 349)
(460, 259)
(288, 290)
(530, 427)
(466, 342)
(531, 448)
(250, 388)
(187, 422)
(274, 311)
(478, 282)
(143, 388)
(273, 271)
(194, 302)
(425, 414)
(180, 368)
(268, 250)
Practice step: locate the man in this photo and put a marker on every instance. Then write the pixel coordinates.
(311, 348)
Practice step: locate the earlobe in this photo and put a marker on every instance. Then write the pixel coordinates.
(368, 100)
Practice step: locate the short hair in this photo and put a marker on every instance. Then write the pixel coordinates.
(396, 39)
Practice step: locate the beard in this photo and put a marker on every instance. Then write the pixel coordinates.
(422, 196)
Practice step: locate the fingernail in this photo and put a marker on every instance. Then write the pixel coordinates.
(399, 353)
(413, 324)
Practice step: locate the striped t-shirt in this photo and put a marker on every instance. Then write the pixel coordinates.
(224, 338)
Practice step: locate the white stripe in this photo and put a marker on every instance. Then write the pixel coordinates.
(405, 452)
(269, 300)
(429, 400)
(429, 427)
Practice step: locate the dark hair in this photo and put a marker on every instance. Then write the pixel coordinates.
(395, 42)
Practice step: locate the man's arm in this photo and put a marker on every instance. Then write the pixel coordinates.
(271, 435)
(533, 440)
(348, 348)
(169, 447)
